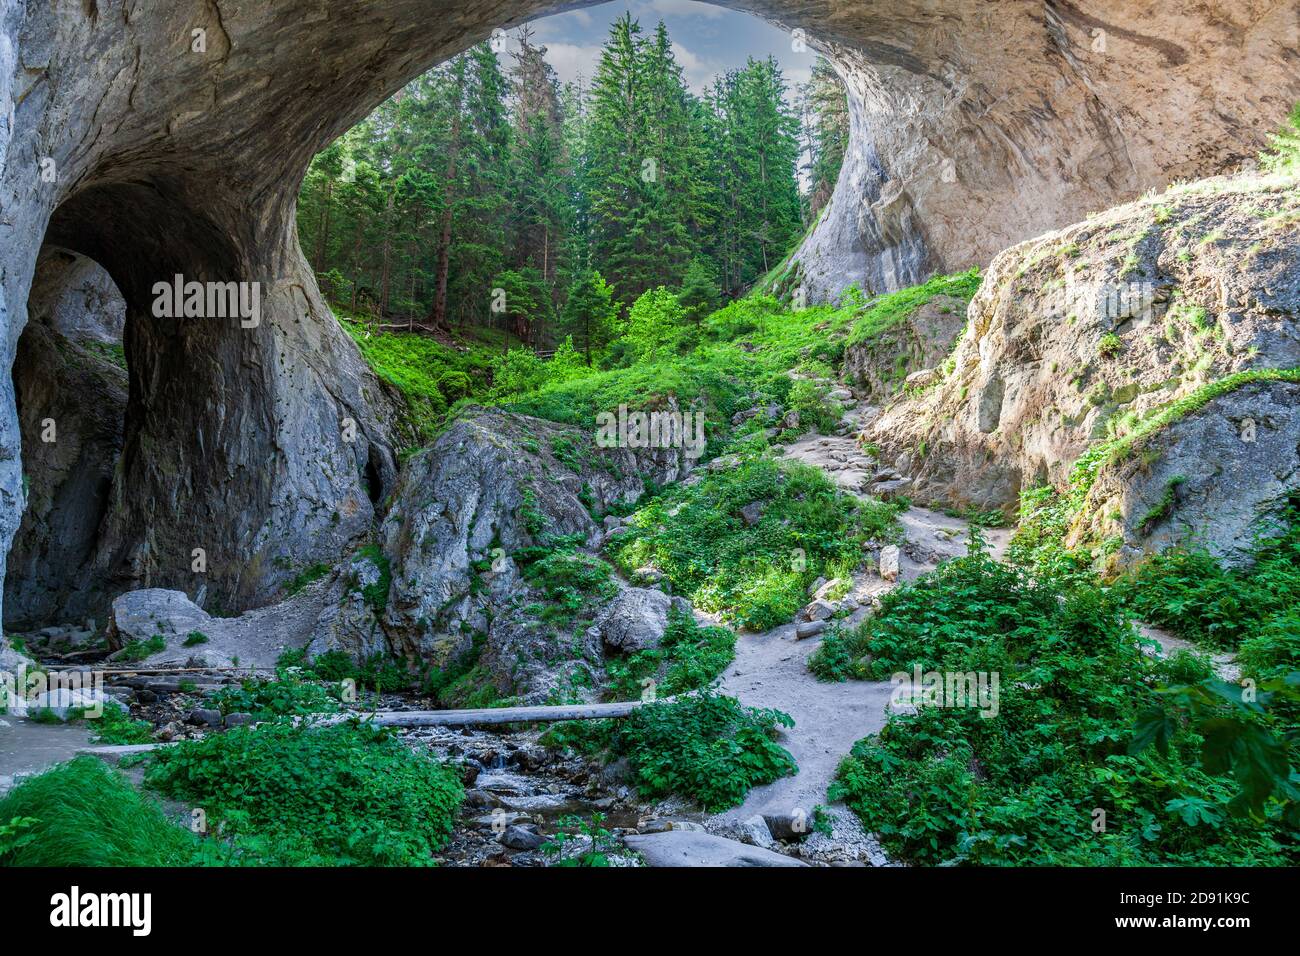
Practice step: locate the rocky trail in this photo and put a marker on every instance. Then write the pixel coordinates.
(771, 669)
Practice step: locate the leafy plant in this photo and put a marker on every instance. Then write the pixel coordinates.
(579, 842)
(350, 794)
(708, 748)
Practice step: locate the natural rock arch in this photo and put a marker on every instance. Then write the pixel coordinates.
(974, 125)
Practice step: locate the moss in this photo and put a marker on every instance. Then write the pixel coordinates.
(889, 310)
(1163, 508)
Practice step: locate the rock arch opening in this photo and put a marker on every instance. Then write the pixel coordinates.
(974, 126)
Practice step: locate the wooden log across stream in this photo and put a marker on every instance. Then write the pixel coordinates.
(483, 716)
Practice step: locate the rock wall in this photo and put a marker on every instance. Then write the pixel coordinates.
(1078, 336)
(71, 390)
(878, 366)
(493, 485)
(165, 138)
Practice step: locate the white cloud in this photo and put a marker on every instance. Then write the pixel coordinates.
(699, 71)
(571, 59)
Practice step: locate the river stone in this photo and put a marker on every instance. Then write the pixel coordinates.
(694, 849)
(521, 838)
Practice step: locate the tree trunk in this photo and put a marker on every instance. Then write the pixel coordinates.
(439, 315)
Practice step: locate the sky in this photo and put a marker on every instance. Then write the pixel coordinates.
(707, 39)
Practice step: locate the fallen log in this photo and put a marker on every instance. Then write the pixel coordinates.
(481, 717)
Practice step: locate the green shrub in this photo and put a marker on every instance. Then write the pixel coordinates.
(689, 657)
(1283, 153)
(286, 696)
(350, 794)
(1189, 592)
(572, 582)
(833, 660)
(756, 575)
(138, 650)
(82, 813)
(708, 748)
(306, 576)
(948, 785)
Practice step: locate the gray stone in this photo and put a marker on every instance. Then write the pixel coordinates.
(634, 621)
(754, 831)
(689, 848)
(819, 610)
(521, 838)
(752, 513)
(204, 717)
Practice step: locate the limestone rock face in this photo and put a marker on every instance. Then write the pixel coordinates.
(973, 125)
(878, 366)
(321, 617)
(1078, 335)
(72, 403)
(495, 483)
(76, 298)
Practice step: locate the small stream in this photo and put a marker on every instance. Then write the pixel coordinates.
(519, 795)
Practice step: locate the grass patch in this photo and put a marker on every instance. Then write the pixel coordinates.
(82, 813)
(895, 307)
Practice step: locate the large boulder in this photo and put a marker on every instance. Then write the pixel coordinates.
(1147, 310)
(634, 621)
(492, 484)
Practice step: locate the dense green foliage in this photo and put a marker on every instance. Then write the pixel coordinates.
(285, 696)
(1188, 591)
(756, 574)
(349, 794)
(484, 193)
(431, 376)
(1024, 787)
(81, 813)
(689, 657)
(706, 747)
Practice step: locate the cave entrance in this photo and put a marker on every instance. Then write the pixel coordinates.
(194, 445)
(70, 385)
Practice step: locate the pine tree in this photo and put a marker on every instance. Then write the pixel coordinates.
(539, 164)
(826, 128)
